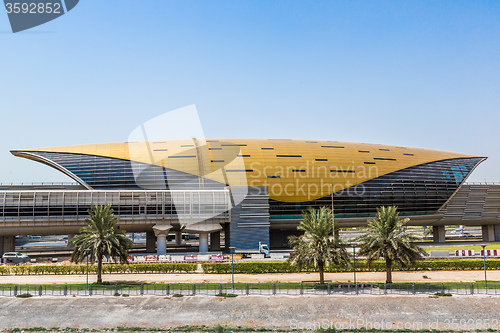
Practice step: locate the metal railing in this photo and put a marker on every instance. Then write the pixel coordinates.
(176, 290)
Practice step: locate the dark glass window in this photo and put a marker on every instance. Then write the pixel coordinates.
(417, 190)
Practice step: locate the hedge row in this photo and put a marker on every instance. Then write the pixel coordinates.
(114, 268)
(246, 267)
(361, 266)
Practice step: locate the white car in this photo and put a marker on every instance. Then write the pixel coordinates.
(16, 257)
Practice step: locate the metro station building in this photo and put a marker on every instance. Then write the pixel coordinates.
(254, 190)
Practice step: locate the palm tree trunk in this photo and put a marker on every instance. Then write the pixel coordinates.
(321, 269)
(99, 267)
(388, 271)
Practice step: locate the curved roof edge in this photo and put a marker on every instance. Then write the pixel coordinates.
(46, 161)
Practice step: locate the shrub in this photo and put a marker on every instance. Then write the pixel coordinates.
(226, 295)
(106, 269)
(443, 294)
(27, 295)
(361, 266)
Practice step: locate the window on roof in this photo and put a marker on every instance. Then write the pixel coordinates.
(363, 151)
(322, 160)
(243, 155)
(214, 148)
(408, 154)
(288, 155)
(190, 156)
(264, 148)
(240, 170)
(384, 159)
(342, 171)
(273, 176)
(370, 163)
(332, 147)
(383, 149)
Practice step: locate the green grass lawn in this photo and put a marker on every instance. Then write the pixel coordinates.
(476, 248)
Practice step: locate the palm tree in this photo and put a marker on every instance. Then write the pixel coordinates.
(100, 238)
(318, 246)
(387, 237)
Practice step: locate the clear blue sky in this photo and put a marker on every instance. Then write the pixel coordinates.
(418, 73)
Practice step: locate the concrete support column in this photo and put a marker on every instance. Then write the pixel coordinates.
(7, 244)
(161, 244)
(227, 237)
(150, 242)
(70, 237)
(215, 241)
(203, 242)
(439, 233)
(178, 238)
(488, 232)
(161, 232)
(203, 229)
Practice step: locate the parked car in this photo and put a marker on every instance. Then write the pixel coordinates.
(16, 257)
(465, 234)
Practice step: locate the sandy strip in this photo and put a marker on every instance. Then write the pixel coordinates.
(401, 277)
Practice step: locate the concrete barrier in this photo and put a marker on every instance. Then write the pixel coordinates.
(217, 257)
(439, 254)
(257, 256)
(152, 258)
(491, 253)
(277, 256)
(465, 253)
(164, 258)
(203, 257)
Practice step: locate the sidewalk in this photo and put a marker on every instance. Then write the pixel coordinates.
(398, 277)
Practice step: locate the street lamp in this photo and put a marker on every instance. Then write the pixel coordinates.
(354, 268)
(87, 255)
(232, 248)
(484, 263)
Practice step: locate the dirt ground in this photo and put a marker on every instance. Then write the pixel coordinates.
(398, 277)
(466, 313)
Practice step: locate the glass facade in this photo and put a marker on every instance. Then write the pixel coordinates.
(111, 173)
(417, 190)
